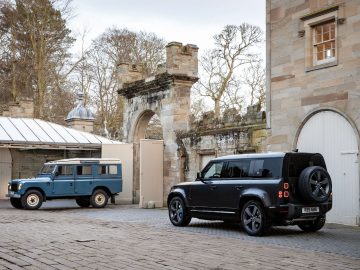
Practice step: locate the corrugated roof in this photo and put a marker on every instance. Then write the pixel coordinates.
(23, 132)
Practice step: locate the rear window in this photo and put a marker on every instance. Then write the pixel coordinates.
(107, 169)
(254, 168)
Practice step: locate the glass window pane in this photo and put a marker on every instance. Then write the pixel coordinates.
(214, 171)
(326, 36)
(318, 38)
(320, 56)
(84, 170)
(320, 48)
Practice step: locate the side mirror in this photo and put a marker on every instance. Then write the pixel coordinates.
(56, 173)
(198, 176)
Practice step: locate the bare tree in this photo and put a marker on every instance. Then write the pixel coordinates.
(233, 49)
(98, 70)
(254, 78)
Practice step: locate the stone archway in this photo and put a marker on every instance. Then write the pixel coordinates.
(168, 95)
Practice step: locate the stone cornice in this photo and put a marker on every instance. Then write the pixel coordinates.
(157, 83)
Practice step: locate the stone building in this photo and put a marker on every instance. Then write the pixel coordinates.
(313, 89)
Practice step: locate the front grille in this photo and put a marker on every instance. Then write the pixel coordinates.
(14, 187)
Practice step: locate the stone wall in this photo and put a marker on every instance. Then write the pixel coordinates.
(229, 135)
(22, 108)
(27, 163)
(296, 89)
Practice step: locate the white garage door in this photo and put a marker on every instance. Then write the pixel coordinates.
(5, 171)
(331, 134)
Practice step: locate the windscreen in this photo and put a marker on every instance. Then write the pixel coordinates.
(47, 169)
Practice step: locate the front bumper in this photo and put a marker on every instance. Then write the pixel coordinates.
(11, 194)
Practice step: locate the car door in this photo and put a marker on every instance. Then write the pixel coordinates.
(63, 182)
(84, 179)
(203, 194)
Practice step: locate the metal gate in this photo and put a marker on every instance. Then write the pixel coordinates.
(5, 170)
(151, 173)
(331, 134)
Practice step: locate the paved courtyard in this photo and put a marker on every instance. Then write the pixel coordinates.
(62, 236)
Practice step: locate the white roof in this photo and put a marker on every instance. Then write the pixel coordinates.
(86, 160)
(26, 132)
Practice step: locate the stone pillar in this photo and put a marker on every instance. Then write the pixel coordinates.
(166, 94)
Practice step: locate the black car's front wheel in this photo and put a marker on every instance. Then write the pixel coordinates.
(253, 218)
(177, 212)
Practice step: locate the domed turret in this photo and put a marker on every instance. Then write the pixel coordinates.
(81, 118)
(80, 111)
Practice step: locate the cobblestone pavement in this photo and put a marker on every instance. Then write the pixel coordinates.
(63, 236)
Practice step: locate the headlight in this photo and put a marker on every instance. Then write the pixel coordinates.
(9, 186)
(20, 186)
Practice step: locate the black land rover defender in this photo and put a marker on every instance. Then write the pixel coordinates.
(259, 190)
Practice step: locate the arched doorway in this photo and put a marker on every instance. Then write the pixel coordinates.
(148, 150)
(5, 170)
(331, 134)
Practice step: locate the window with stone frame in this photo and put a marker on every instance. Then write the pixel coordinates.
(324, 42)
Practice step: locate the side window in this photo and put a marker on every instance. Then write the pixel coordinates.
(265, 168)
(237, 169)
(65, 170)
(83, 170)
(107, 169)
(214, 170)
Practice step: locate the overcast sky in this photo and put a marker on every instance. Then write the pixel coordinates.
(186, 21)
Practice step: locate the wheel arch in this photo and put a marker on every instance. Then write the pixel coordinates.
(254, 194)
(177, 193)
(38, 189)
(106, 189)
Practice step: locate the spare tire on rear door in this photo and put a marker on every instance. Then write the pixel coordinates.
(315, 184)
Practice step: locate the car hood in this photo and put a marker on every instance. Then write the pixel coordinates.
(35, 179)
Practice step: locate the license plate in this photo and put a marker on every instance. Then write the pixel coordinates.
(306, 210)
(11, 192)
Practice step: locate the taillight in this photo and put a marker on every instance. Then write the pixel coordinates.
(285, 192)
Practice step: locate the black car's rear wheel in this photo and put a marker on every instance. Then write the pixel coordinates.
(314, 225)
(253, 218)
(177, 212)
(15, 202)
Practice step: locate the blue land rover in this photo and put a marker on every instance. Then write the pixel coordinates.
(88, 181)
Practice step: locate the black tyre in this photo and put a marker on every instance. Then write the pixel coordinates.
(253, 218)
(313, 226)
(32, 200)
(99, 198)
(177, 212)
(315, 184)
(83, 202)
(15, 202)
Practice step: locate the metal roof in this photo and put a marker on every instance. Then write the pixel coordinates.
(36, 133)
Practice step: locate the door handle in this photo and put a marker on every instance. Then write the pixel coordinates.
(212, 187)
(71, 184)
(238, 187)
